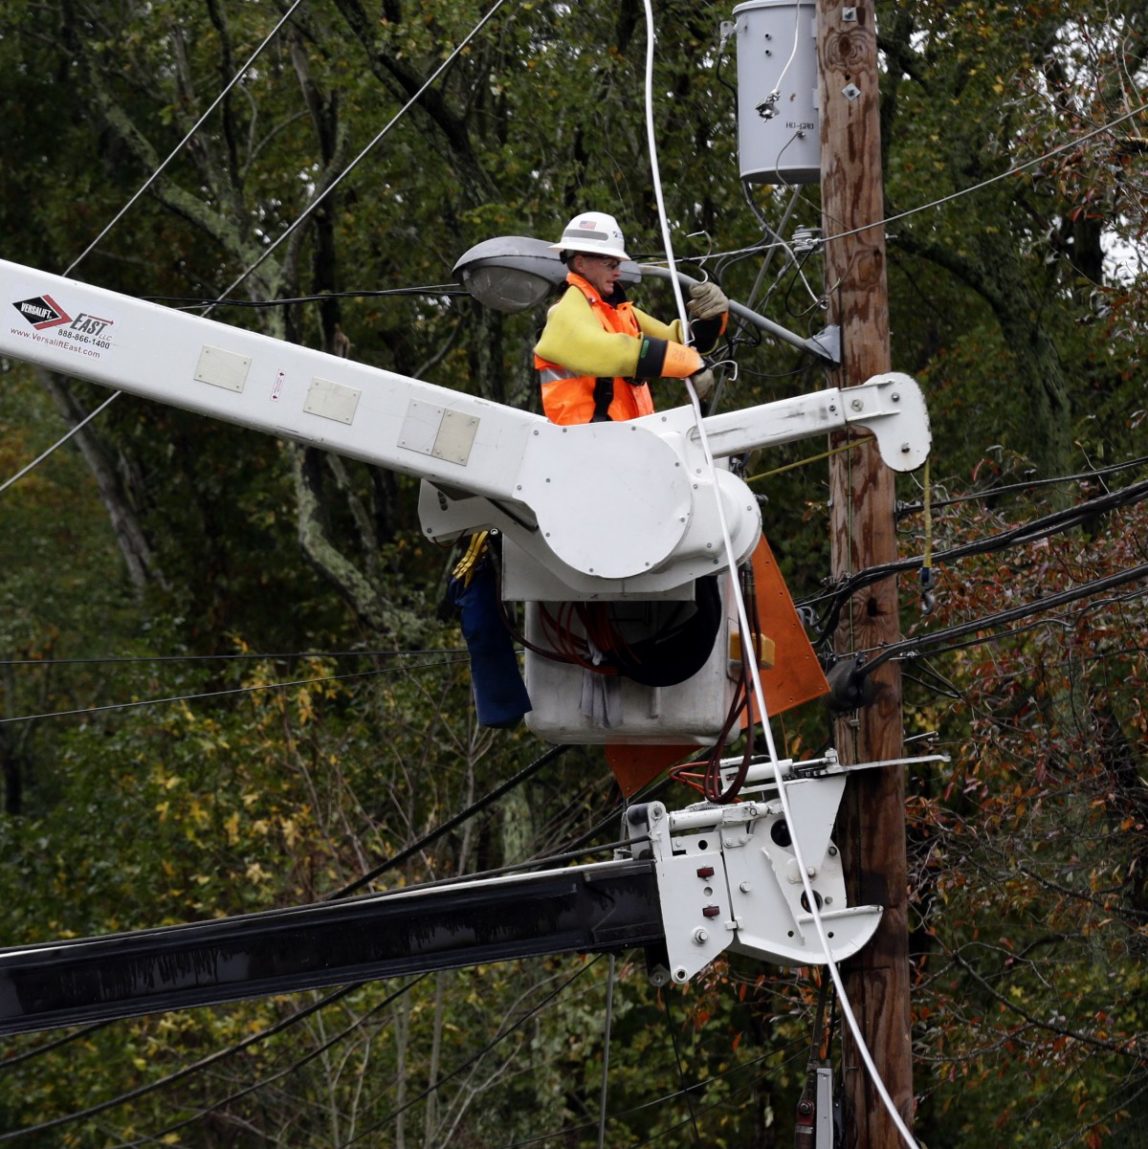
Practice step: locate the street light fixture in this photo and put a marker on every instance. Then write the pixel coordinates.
(515, 272)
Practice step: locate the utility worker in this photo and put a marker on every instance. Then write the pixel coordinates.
(597, 351)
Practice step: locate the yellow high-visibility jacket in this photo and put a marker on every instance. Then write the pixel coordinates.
(594, 358)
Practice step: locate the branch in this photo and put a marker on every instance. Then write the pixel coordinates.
(1127, 1049)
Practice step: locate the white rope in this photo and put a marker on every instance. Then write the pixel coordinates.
(743, 622)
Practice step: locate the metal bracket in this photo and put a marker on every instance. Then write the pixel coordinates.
(829, 339)
(892, 408)
(728, 877)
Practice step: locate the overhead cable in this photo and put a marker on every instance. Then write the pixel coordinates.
(75, 430)
(181, 302)
(452, 823)
(395, 860)
(1012, 170)
(85, 710)
(1045, 603)
(179, 1074)
(162, 1136)
(186, 139)
(120, 214)
(904, 509)
(83, 1031)
(235, 656)
(301, 218)
(315, 204)
(1019, 535)
(499, 1037)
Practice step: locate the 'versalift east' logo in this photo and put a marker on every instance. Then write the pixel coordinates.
(42, 312)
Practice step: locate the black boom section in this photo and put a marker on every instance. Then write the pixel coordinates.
(597, 908)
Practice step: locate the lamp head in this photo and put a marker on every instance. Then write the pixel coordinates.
(513, 273)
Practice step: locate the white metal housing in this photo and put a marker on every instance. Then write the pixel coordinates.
(778, 120)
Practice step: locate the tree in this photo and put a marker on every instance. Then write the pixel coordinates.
(1028, 847)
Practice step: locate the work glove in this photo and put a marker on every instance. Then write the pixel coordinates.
(707, 301)
(679, 361)
(704, 383)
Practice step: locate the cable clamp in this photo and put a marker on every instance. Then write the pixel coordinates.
(928, 599)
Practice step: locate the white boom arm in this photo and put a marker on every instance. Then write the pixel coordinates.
(605, 510)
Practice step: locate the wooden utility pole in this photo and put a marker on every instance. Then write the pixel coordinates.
(872, 828)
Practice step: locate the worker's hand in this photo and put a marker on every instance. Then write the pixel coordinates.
(707, 301)
(680, 362)
(704, 383)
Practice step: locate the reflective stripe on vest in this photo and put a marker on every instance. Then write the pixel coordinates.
(568, 397)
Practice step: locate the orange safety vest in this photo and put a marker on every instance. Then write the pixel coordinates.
(570, 398)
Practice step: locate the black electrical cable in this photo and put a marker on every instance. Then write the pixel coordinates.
(180, 1074)
(47, 1047)
(905, 509)
(1049, 602)
(693, 1119)
(305, 1059)
(476, 1057)
(1028, 532)
(452, 823)
(568, 1131)
(1014, 631)
(397, 859)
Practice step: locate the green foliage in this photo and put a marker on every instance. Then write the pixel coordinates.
(270, 781)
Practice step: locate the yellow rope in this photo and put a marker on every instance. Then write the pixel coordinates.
(802, 462)
(927, 561)
(464, 568)
(928, 517)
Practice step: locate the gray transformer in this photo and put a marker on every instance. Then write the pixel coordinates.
(779, 121)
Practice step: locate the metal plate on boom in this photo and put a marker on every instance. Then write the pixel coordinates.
(612, 499)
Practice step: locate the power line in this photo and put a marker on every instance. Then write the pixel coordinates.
(75, 430)
(181, 302)
(182, 143)
(391, 863)
(658, 1102)
(475, 1058)
(293, 1067)
(299, 220)
(249, 656)
(179, 1074)
(199, 697)
(314, 205)
(1027, 532)
(1016, 631)
(1013, 170)
(84, 1031)
(904, 509)
(452, 823)
(1045, 603)
(120, 214)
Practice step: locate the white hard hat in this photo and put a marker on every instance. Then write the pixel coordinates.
(594, 233)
